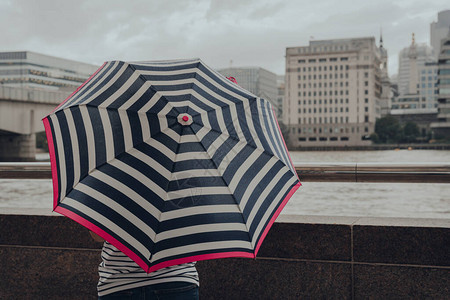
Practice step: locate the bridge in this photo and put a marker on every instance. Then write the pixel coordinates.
(21, 111)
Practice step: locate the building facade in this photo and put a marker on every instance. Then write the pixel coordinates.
(333, 92)
(256, 80)
(424, 90)
(439, 31)
(441, 128)
(411, 60)
(26, 69)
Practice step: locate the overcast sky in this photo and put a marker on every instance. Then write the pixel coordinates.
(246, 32)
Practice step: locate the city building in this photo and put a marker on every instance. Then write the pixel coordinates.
(280, 96)
(422, 90)
(439, 31)
(333, 92)
(26, 69)
(441, 128)
(256, 80)
(411, 60)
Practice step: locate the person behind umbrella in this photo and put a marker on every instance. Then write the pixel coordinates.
(122, 278)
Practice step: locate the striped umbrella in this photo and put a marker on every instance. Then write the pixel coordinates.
(170, 162)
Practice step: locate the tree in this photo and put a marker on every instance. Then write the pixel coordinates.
(284, 131)
(388, 130)
(410, 132)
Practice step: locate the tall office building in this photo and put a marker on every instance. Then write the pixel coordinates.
(333, 92)
(439, 31)
(258, 81)
(410, 60)
(417, 80)
(441, 128)
(26, 69)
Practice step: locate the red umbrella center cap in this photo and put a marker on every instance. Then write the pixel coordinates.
(185, 119)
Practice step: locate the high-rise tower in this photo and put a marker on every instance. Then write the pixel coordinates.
(439, 31)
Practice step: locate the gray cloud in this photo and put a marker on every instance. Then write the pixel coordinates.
(253, 32)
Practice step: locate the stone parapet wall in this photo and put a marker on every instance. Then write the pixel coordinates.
(46, 256)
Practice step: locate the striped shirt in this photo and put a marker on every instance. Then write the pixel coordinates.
(118, 272)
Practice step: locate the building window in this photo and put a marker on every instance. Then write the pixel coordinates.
(301, 61)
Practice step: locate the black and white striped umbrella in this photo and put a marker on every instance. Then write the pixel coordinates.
(170, 162)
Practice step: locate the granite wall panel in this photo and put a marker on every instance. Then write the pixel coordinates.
(46, 273)
(235, 278)
(402, 245)
(309, 241)
(45, 231)
(400, 282)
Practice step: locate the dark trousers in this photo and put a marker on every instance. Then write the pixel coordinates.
(162, 291)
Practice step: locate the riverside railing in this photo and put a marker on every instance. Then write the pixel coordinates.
(312, 172)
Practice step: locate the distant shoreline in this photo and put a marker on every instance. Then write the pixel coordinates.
(374, 147)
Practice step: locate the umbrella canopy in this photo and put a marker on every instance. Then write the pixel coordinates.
(170, 162)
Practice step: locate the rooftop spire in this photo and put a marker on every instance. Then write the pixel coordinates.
(412, 49)
(381, 37)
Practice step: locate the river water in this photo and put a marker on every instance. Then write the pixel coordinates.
(410, 200)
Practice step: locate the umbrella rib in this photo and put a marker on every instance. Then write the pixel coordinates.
(247, 144)
(228, 187)
(167, 188)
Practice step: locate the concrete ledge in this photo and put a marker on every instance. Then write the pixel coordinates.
(44, 255)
